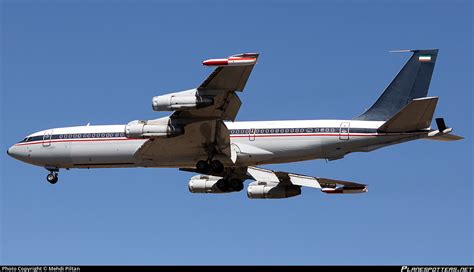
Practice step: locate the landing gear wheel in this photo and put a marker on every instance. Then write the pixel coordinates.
(223, 185)
(202, 166)
(52, 178)
(236, 185)
(217, 166)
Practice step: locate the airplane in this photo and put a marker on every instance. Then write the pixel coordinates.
(201, 135)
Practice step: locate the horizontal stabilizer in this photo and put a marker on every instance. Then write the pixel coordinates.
(443, 133)
(414, 116)
(445, 138)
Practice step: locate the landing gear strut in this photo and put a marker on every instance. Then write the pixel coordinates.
(52, 177)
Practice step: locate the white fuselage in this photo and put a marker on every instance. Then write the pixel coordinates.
(256, 142)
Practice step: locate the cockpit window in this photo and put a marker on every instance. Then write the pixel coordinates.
(24, 140)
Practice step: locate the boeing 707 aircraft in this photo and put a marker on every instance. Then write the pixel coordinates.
(201, 135)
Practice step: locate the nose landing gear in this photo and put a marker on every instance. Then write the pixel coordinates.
(52, 177)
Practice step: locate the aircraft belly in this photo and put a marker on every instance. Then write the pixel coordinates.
(104, 154)
(333, 149)
(277, 149)
(172, 152)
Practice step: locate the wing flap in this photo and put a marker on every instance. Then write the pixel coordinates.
(306, 181)
(264, 175)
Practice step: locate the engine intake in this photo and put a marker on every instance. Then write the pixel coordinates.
(141, 129)
(259, 190)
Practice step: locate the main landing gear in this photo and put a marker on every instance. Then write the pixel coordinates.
(230, 185)
(52, 177)
(213, 166)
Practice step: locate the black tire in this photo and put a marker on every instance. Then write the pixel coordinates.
(217, 166)
(52, 178)
(223, 185)
(236, 185)
(202, 166)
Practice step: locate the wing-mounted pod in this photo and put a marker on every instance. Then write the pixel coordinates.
(161, 128)
(261, 190)
(244, 59)
(214, 185)
(345, 190)
(184, 100)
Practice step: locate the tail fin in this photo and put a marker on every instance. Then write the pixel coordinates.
(410, 83)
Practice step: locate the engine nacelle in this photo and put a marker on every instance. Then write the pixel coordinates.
(204, 184)
(258, 189)
(345, 190)
(181, 100)
(141, 129)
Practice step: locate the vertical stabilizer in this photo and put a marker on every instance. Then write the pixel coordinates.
(410, 83)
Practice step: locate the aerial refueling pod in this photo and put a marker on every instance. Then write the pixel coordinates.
(141, 129)
(261, 190)
(181, 101)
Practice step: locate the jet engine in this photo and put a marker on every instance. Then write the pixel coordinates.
(181, 100)
(141, 129)
(206, 184)
(258, 189)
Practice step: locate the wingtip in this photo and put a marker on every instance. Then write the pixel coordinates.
(253, 55)
(412, 50)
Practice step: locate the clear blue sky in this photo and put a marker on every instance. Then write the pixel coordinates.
(70, 63)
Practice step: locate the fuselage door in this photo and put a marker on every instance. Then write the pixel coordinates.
(47, 138)
(344, 131)
(252, 134)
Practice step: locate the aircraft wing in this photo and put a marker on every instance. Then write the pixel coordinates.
(229, 77)
(284, 178)
(204, 130)
(279, 178)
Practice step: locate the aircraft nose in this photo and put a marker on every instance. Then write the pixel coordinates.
(15, 152)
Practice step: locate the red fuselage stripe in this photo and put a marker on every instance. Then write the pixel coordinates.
(231, 136)
(77, 140)
(300, 135)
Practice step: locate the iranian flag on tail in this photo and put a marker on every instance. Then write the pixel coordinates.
(424, 58)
